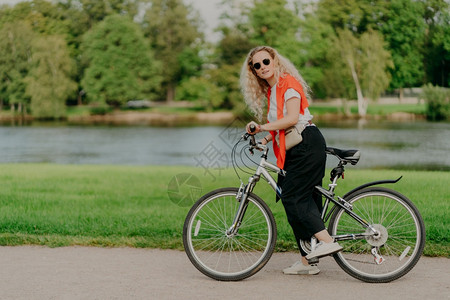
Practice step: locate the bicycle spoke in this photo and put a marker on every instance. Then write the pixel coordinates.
(222, 255)
(397, 245)
(211, 223)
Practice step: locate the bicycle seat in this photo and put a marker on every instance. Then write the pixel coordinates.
(347, 156)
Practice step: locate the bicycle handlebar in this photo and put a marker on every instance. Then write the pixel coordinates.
(251, 136)
(253, 143)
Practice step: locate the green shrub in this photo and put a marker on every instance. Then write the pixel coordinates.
(100, 110)
(438, 102)
(203, 90)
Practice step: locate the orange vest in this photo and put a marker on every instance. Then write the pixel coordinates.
(285, 82)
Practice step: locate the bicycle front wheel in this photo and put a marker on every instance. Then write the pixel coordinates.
(397, 247)
(220, 255)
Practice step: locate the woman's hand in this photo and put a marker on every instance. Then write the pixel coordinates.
(256, 128)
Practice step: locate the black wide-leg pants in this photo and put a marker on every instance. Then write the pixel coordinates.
(305, 168)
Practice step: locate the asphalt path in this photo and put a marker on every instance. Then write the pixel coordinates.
(31, 272)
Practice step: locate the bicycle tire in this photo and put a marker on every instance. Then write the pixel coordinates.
(222, 257)
(400, 243)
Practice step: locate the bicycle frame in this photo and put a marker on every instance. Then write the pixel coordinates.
(328, 194)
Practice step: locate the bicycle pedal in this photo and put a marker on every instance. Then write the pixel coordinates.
(313, 261)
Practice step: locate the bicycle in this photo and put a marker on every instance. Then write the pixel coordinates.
(230, 233)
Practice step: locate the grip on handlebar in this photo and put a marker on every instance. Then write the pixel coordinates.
(252, 128)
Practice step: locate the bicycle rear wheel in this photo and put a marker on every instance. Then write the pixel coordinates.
(391, 254)
(229, 257)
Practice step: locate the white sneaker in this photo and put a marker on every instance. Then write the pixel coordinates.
(324, 249)
(298, 268)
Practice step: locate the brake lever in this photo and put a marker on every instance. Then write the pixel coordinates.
(258, 146)
(252, 139)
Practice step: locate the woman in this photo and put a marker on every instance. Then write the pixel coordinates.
(266, 73)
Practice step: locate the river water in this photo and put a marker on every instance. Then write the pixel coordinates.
(413, 145)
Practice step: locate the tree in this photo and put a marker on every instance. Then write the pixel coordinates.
(273, 24)
(354, 15)
(64, 19)
(315, 40)
(233, 47)
(436, 51)
(226, 77)
(121, 66)
(404, 31)
(229, 57)
(366, 61)
(49, 83)
(97, 10)
(15, 54)
(171, 29)
(44, 17)
(347, 46)
(375, 62)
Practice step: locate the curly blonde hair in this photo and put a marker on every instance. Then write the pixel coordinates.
(254, 89)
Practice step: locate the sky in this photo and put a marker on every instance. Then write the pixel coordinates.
(209, 11)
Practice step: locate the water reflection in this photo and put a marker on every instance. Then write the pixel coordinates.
(418, 145)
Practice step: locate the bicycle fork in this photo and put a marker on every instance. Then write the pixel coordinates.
(243, 204)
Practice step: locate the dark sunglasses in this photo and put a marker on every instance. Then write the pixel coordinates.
(257, 66)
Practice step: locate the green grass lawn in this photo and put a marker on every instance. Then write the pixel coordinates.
(96, 205)
(373, 109)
